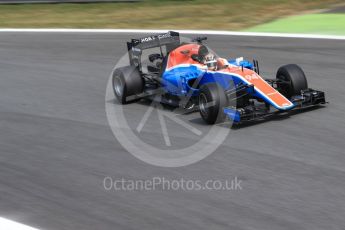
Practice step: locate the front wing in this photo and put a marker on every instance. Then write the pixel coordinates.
(308, 98)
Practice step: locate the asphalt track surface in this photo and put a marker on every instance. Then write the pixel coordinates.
(56, 145)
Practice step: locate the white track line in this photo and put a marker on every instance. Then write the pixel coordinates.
(6, 224)
(207, 32)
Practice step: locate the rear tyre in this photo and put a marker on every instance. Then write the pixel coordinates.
(127, 82)
(212, 100)
(293, 80)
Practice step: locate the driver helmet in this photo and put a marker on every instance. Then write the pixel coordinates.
(211, 61)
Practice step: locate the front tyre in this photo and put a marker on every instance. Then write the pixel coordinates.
(291, 80)
(127, 83)
(212, 100)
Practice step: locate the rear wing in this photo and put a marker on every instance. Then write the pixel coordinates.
(135, 47)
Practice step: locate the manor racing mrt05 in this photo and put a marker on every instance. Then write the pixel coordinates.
(191, 76)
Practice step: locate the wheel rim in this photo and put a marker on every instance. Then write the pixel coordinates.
(203, 104)
(118, 86)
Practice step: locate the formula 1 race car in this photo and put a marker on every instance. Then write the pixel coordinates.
(191, 76)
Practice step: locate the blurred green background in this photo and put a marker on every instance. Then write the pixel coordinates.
(293, 16)
(321, 23)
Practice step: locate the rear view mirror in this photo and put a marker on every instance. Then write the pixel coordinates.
(185, 52)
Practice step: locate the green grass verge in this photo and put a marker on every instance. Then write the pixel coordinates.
(332, 24)
(156, 14)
